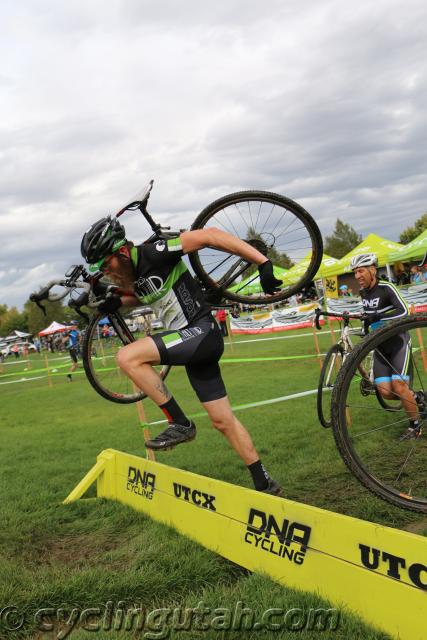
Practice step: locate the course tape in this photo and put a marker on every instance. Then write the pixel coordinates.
(19, 373)
(249, 405)
(24, 380)
(107, 369)
(298, 335)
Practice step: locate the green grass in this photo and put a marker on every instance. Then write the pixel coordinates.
(90, 552)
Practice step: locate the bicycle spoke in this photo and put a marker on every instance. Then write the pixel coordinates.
(405, 463)
(268, 218)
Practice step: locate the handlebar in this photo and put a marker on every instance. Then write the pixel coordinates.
(344, 315)
(93, 294)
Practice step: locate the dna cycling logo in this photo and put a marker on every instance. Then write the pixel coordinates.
(141, 484)
(371, 304)
(187, 300)
(148, 286)
(394, 566)
(284, 539)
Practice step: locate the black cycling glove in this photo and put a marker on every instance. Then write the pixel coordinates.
(269, 282)
(110, 304)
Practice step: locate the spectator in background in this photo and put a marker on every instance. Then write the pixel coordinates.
(235, 311)
(71, 342)
(221, 318)
(15, 349)
(401, 274)
(105, 331)
(417, 276)
(345, 291)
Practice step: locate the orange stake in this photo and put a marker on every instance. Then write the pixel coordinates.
(333, 339)
(143, 423)
(421, 343)
(316, 346)
(49, 377)
(230, 334)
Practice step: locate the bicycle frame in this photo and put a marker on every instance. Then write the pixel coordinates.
(345, 342)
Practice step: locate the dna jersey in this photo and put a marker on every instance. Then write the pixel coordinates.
(164, 282)
(383, 299)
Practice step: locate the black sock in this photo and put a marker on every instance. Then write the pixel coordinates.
(259, 475)
(414, 424)
(174, 413)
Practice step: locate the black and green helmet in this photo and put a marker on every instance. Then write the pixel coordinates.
(102, 239)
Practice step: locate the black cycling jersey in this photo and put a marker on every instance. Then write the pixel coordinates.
(393, 357)
(383, 300)
(164, 282)
(193, 338)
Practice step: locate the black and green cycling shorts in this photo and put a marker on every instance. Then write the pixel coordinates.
(392, 359)
(198, 348)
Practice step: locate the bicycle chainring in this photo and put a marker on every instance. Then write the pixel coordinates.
(366, 387)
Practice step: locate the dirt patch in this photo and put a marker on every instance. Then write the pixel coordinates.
(73, 550)
(420, 526)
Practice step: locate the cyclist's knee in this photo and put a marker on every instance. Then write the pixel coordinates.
(224, 424)
(123, 358)
(136, 354)
(221, 425)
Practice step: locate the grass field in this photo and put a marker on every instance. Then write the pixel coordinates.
(89, 553)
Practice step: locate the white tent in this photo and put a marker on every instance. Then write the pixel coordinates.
(54, 327)
(15, 335)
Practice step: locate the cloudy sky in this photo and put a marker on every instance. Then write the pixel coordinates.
(321, 101)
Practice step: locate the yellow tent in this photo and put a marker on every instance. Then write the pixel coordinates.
(371, 244)
(297, 271)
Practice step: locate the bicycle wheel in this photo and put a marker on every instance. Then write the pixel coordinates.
(99, 361)
(278, 227)
(331, 365)
(374, 442)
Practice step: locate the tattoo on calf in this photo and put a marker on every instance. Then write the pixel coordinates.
(163, 390)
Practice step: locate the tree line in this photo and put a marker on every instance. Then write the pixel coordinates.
(344, 237)
(342, 240)
(31, 319)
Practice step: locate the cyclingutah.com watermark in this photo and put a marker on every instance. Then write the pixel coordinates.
(157, 624)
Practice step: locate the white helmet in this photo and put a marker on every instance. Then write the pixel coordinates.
(364, 260)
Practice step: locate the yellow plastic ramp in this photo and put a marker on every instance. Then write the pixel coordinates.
(378, 572)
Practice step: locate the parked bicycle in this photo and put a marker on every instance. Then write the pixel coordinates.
(334, 360)
(275, 225)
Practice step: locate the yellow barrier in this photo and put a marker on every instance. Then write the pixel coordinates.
(377, 572)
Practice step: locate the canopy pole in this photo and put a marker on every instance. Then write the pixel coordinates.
(389, 273)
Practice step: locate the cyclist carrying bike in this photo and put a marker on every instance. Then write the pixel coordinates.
(154, 273)
(382, 303)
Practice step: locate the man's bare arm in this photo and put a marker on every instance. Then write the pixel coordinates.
(213, 237)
